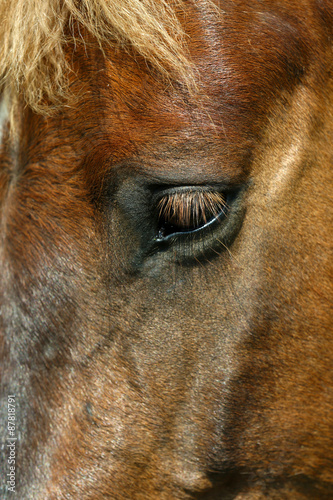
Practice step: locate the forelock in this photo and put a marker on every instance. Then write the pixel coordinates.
(33, 35)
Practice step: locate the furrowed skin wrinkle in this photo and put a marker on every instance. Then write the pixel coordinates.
(166, 250)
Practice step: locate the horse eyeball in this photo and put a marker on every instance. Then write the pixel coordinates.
(189, 210)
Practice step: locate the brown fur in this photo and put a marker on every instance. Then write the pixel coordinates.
(189, 368)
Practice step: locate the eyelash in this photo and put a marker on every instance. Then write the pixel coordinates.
(187, 211)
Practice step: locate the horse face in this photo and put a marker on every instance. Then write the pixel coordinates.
(166, 265)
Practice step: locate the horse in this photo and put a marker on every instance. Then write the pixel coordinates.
(166, 251)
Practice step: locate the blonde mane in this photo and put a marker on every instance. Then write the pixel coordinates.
(33, 36)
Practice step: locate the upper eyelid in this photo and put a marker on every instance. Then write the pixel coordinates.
(188, 207)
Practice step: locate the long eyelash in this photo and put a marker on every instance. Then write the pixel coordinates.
(191, 208)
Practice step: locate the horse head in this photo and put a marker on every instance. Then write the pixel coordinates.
(166, 255)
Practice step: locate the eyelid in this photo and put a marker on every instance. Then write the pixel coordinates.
(189, 210)
(189, 207)
(212, 221)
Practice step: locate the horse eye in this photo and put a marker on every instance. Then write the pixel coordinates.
(187, 211)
